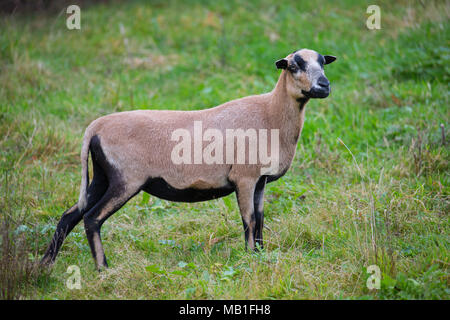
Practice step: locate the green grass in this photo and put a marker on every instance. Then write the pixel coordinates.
(370, 161)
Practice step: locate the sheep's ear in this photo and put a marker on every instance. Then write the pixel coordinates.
(281, 64)
(329, 59)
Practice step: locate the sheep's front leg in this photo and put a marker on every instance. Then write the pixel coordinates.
(245, 196)
(259, 210)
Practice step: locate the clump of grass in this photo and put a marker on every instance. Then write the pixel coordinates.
(427, 156)
(19, 267)
(16, 268)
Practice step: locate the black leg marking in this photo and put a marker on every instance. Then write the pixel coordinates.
(73, 216)
(69, 220)
(259, 211)
(246, 232)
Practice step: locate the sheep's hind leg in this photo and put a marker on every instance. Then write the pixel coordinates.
(114, 198)
(68, 221)
(73, 216)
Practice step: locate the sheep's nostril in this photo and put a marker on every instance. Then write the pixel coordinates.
(323, 82)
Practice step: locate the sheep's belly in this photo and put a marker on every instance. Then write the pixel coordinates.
(158, 187)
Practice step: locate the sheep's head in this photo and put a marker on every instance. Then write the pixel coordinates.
(305, 75)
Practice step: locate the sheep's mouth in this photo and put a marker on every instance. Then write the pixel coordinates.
(317, 92)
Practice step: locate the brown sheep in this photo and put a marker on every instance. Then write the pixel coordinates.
(138, 151)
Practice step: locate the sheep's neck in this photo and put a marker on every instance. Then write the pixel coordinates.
(287, 112)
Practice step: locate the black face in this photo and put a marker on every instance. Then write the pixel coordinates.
(321, 86)
(307, 67)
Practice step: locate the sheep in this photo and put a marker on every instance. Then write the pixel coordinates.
(133, 151)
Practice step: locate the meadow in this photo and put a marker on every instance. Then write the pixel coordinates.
(369, 184)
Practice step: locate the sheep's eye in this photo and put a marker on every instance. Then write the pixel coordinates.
(292, 68)
(300, 62)
(321, 60)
